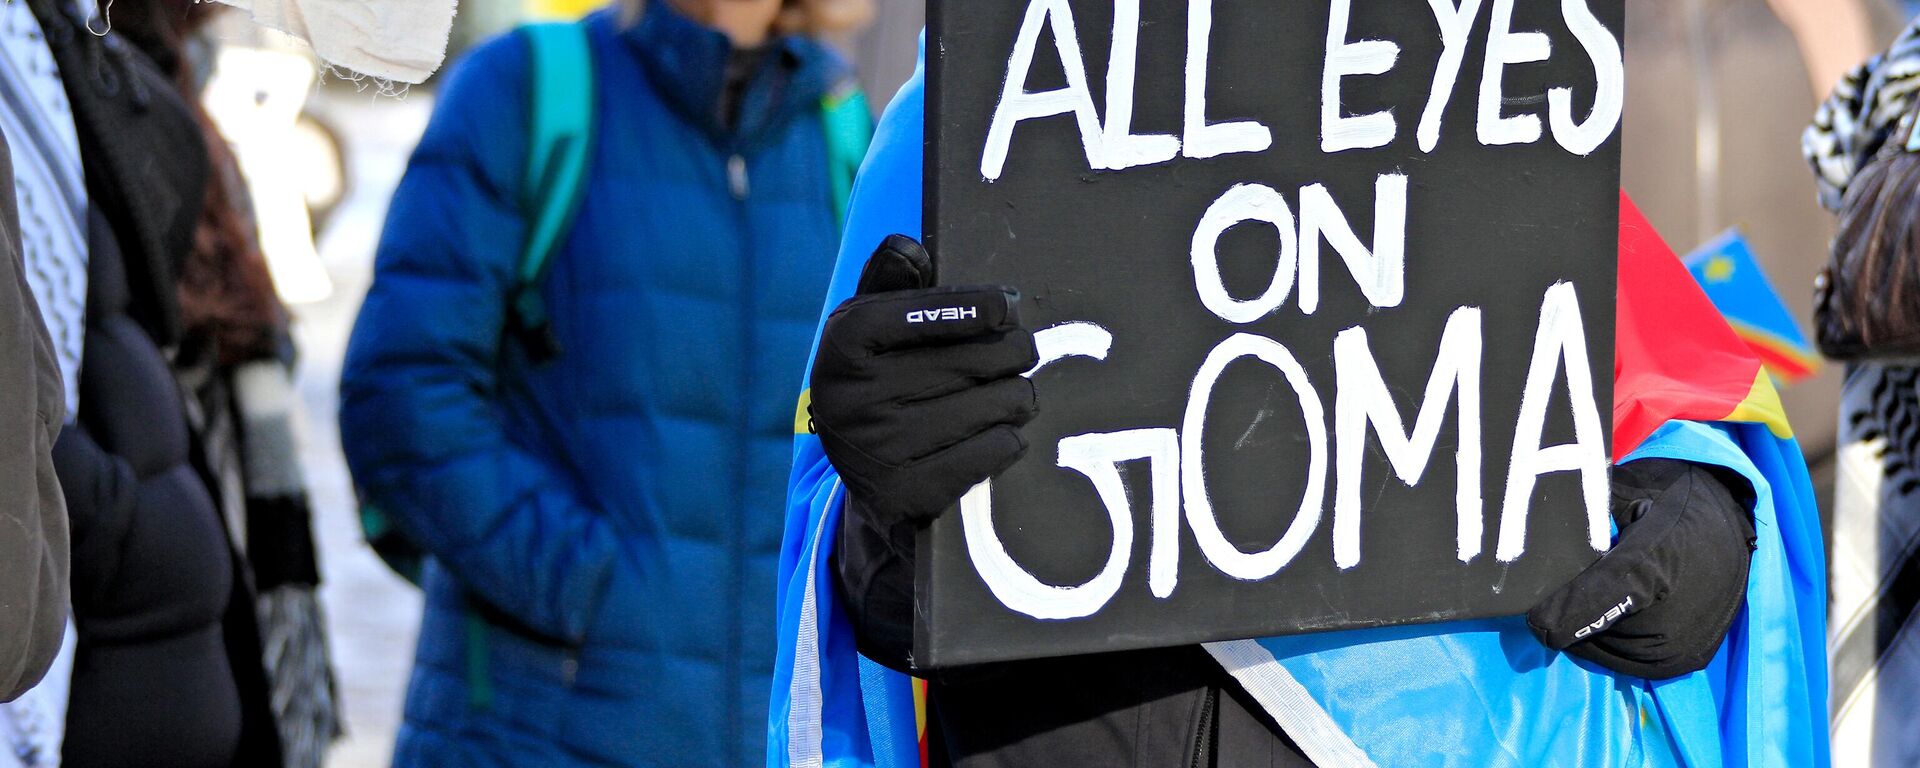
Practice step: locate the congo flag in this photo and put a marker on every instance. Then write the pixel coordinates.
(1674, 359)
(1732, 278)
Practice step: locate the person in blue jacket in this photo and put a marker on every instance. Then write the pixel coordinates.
(1720, 662)
(603, 517)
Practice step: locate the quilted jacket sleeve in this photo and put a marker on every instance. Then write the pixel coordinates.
(418, 418)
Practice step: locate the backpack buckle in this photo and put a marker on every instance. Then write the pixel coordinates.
(533, 328)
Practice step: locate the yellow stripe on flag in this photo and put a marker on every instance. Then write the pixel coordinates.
(1762, 406)
(802, 418)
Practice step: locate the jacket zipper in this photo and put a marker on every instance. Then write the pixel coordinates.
(737, 181)
(1203, 737)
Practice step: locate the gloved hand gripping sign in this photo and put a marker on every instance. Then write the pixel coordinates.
(1191, 457)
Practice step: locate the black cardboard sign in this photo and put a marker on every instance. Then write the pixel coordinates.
(1325, 295)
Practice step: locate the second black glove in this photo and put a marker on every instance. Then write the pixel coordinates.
(917, 391)
(1659, 604)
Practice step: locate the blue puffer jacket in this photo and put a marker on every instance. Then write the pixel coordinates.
(605, 527)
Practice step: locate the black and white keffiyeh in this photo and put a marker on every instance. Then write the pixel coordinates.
(1868, 106)
(49, 184)
(50, 190)
(1874, 574)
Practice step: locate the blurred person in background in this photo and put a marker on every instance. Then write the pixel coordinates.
(236, 363)
(33, 550)
(1866, 160)
(598, 475)
(168, 667)
(45, 245)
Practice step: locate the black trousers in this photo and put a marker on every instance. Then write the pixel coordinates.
(1162, 708)
(1166, 708)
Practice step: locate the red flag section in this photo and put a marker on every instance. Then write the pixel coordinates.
(1675, 356)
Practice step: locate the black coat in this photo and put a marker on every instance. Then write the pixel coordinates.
(153, 682)
(168, 670)
(1173, 707)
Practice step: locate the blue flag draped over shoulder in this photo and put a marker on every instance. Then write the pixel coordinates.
(1468, 694)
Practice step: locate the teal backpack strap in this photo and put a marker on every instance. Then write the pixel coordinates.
(560, 142)
(394, 548)
(479, 679)
(848, 121)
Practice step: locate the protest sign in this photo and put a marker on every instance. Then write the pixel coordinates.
(1324, 294)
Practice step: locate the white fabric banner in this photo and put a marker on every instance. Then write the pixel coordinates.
(399, 40)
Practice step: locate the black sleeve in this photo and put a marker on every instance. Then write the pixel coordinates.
(874, 571)
(1648, 478)
(33, 516)
(102, 492)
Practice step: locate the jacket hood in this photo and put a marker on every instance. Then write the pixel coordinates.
(686, 62)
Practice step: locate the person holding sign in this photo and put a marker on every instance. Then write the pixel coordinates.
(1704, 617)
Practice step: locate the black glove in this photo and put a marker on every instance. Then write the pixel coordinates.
(1659, 604)
(917, 392)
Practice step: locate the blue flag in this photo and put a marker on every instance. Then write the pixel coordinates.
(1733, 279)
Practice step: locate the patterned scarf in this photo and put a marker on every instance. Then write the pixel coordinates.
(52, 196)
(1870, 104)
(1875, 580)
(50, 185)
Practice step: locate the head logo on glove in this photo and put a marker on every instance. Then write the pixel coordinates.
(913, 414)
(947, 314)
(1613, 615)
